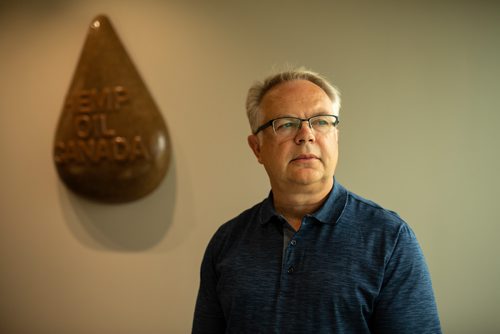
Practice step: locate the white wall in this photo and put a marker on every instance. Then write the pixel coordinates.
(419, 135)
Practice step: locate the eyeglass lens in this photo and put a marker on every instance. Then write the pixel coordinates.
(290, 125)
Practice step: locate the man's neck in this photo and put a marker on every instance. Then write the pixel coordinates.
(297, 201)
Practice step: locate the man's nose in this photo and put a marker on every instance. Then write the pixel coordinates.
(304, 133)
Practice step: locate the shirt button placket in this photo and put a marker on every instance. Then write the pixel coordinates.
(291, 268)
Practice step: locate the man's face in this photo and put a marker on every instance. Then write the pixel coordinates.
(308, 158)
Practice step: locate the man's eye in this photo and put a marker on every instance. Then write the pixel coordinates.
(286, 125)
(320, 122)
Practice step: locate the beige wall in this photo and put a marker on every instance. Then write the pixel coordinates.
(419, 134)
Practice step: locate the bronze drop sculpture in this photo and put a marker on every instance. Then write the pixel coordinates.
(111, 143)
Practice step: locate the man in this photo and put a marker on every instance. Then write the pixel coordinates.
(312, 257)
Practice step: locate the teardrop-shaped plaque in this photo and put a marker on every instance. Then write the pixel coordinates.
(111, 144)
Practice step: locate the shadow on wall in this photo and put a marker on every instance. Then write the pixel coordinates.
(134, 226)
(40, 7)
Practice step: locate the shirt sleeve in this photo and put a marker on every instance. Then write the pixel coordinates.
(208, 315)
(406, 301)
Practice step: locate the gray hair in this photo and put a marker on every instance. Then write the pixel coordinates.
(259, 89)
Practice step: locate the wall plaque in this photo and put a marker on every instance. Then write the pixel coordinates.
(111, 142)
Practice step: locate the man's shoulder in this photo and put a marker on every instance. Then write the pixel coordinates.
(375, 224)
(242, 220)
(361, 209)
(252, 214)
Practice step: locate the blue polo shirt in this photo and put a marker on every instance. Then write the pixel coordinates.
(352, 267)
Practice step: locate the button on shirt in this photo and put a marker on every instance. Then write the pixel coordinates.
(352, 267)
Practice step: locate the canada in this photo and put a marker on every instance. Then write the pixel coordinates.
(97, 150)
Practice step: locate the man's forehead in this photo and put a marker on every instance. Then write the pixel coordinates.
(295, 92)
(292, 87)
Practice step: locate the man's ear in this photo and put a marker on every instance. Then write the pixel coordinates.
(254, 143)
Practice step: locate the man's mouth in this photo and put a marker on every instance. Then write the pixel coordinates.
(305, 157)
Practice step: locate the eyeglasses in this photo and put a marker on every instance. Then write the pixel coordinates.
(289, 126)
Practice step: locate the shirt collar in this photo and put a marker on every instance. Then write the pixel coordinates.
(328, 213)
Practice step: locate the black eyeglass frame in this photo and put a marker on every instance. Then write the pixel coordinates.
(308, 120)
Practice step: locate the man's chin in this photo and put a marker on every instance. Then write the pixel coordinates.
(306, 178)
